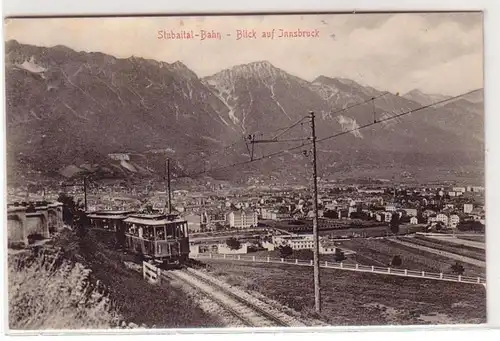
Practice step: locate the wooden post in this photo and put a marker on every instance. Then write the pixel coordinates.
(479, 279)
(388, 270)
(268, 259)
(357, 266)
(296, 261)
(406, 272)
(341, 265)
(460, 278)
(373, 268)
(441, 275)
(282, 260)
(423, 273)
(317, 294)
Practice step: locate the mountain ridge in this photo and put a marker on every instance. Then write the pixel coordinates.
(64, 106)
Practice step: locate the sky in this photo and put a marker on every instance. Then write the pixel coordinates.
(438, 53)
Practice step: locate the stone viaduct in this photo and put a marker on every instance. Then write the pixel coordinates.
(25, 221)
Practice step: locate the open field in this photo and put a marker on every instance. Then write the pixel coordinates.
(379, 252)
(377, 231)
(354, 298)
(446, 245)
(478, 238)
(450, 255)
(462, 243)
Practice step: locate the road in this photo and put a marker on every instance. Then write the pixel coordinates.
(443, 253)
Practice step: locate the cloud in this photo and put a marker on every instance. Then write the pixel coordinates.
(390, 52)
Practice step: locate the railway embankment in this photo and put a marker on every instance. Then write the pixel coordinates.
(80, 282)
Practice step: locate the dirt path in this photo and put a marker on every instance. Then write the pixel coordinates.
(443, 253)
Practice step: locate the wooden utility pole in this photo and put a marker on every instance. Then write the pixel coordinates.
(169, 198)
(251, 139)
(317, 293)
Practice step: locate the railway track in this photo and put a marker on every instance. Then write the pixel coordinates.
(249, 310)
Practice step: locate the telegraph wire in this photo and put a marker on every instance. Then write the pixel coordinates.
(345, 132)
(397, 115)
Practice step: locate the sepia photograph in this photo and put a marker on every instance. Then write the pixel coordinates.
(245, 171)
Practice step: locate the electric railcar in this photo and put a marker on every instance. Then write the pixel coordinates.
(161, 238)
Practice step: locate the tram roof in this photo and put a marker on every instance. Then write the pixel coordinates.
(152, 222)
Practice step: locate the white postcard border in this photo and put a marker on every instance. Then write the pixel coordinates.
(492, 107)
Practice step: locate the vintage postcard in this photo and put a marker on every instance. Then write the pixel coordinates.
(245, 171)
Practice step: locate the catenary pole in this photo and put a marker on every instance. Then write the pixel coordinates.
(85, 192)
(317, 292)
(169, 207)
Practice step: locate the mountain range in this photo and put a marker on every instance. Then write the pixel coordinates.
(68, 110)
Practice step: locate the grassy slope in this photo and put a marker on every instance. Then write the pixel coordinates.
(47, 291)
(137, 301)
(351, 298)
(379, 252)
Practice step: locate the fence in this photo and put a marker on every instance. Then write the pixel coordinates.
(350, 267)
(150, 272)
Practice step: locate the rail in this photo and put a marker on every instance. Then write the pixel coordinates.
(349, 267)
(246, 311)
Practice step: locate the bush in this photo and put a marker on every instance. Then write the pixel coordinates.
(233, 243)
(458, 268)
(396, 261)
(285, 251)
(339, 255)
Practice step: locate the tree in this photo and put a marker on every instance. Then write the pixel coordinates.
(471, 226)
(339, 255)
(70, 207)
(396, 261)
(331, 214)
(458, 268)
(285, 251)
(395, 223)
(218, 226)
(233, 243)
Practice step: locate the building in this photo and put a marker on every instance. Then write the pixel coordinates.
(275, 214)
(413, 220)
(303, 242)
(390, 207)
(387, 217)
(454, 221)
(195, 223)
(468, 208)
(442, 218)
(242, 219)
(411, 212)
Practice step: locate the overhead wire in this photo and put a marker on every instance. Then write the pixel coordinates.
(344, 132)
